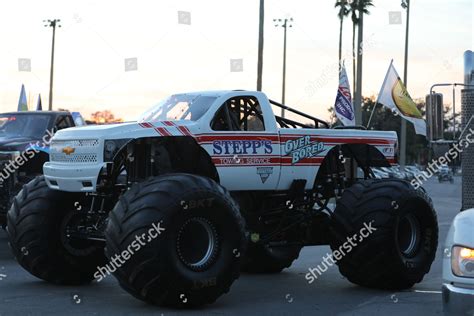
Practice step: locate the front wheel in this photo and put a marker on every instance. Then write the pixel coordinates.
(37, 227)
(196, 255)
(387, 234)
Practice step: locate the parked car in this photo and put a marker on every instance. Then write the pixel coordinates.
(413, 170)
(391, 172)
(458, 266)
(24, 148)
(379, 174)
(445, 174)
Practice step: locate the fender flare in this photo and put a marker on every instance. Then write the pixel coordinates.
(196, 159)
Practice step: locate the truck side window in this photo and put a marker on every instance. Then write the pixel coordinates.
(63, 122)
(241, 113)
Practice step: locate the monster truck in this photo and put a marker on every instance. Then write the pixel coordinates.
(233, 187)
(24, 148)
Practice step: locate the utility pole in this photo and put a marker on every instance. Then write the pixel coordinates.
(358, 88)
(53, 24)
(260, 45)
(403, 132)
(285, 23)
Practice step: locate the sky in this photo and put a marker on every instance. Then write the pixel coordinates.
(193, 51)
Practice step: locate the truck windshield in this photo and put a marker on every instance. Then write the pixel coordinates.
(21, 125)
(179, 107)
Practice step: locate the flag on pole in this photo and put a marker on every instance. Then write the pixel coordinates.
(395, 96)
(39, 106)
(343, 106)
(22, 103)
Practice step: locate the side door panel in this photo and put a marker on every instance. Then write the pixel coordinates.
(245, 159)
(302, 154)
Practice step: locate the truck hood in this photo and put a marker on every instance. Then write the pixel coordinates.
(16, 143)
(126, 130)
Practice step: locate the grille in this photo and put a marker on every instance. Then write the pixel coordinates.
(76, 143)
(74, 158)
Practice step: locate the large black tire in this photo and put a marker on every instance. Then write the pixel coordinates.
(401, 250)
(37, 238)
(198, 255)
(266, 259)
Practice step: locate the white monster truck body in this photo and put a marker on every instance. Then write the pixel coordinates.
(171, 169)
(267, 159)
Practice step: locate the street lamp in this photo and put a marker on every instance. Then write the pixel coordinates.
(285, 23)
(53, 24)
(403, 134)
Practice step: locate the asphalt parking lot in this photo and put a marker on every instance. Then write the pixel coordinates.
(287, 293)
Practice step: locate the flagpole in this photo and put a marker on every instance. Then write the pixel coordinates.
(380, 92)
(373, 110)
(403, 128)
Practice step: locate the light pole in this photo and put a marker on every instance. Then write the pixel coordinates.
(403, 128)
(261, 21)
(53, 24)
(285, 23)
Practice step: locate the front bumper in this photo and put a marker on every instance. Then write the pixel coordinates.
(457, 300)
(77, 178)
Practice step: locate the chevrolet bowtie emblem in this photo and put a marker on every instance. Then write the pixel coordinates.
(69, 150)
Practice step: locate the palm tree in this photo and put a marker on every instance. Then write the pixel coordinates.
(362, 8)
(260, 46)
(353, 10)
(343, 12)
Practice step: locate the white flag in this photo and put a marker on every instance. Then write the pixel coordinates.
(343, 106)
(395, 96)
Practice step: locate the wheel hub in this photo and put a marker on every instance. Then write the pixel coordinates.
(197, 244)
(409, 235)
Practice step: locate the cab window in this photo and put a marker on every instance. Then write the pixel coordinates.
(241, 113)
(63, 122)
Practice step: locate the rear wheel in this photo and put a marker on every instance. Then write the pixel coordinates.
(198, 254)
(399, 242)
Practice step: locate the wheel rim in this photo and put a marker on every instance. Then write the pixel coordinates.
(197, 244)
(409, 235)
(75, 246)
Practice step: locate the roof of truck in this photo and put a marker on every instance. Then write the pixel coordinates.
(35, 113)
(214, 92)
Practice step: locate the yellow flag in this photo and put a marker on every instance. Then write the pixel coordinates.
(395, 96)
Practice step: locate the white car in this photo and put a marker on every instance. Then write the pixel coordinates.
(379, 174)
(458, 266)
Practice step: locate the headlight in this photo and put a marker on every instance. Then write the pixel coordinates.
(462, 261)
(112, 147)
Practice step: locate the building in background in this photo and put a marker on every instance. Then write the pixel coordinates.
(468, 67)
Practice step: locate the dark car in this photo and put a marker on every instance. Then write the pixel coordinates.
(24, 148)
